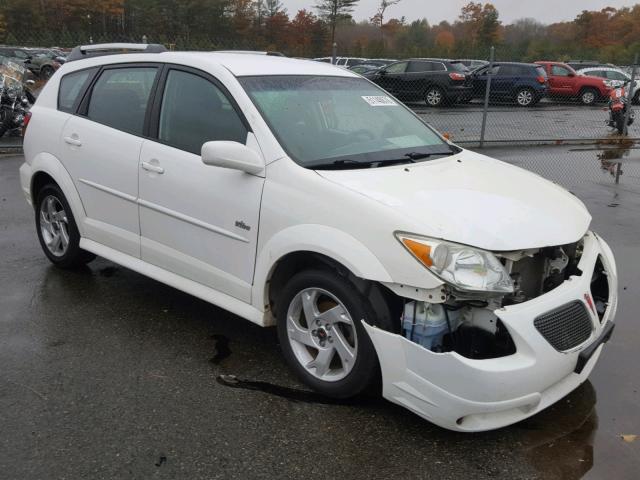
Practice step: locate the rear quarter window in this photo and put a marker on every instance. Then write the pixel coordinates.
(71, 87)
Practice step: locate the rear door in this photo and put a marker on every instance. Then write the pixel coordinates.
(101, 148)
(196, 220)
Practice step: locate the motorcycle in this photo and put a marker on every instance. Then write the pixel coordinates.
(618, 107)
(15, 97)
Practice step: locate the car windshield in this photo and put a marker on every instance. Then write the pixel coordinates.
(322, 120)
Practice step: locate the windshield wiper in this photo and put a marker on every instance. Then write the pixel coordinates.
(348, 163)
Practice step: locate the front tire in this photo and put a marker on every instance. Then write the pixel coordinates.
(321, 334)
(57, 230)
(46, 72)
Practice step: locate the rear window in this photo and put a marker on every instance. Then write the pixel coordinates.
(71, 86)
(458, 67)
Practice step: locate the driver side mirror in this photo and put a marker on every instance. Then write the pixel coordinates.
(382, 72)
(232, 155)
(571, 74)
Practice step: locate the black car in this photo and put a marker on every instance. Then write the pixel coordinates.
(522, 83)
(434, 81)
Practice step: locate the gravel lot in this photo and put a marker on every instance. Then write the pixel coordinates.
(107, 374)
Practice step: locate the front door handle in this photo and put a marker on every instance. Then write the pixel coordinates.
(73, 141)
(151, 167)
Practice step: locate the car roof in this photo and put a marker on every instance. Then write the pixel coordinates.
(615, 69)
(519, 64)
(239, 64)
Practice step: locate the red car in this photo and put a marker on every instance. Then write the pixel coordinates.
(565, 82)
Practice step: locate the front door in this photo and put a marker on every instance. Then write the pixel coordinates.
(198, 221)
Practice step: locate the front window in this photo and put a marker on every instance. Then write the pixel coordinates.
(559, 71)
(323, 120)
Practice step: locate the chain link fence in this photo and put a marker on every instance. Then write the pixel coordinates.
(501, 100)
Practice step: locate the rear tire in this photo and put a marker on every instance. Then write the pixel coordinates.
(589, 96)
(434, 97)
(334, 332)
(57, 230)
(525, 97)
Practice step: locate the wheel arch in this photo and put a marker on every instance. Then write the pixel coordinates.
(46, 168)
(306, 246)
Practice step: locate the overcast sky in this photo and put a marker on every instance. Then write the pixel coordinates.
(546, 11)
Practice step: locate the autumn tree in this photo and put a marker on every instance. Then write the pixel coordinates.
(378, 18)
(332, 11)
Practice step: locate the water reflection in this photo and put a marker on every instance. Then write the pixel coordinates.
(558, 442)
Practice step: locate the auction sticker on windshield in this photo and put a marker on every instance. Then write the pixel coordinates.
(379, 101)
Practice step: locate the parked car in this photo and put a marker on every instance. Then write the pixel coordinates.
(301, 195)
(614, 78)
(39, 63)
(44, 62)
(434, 81)
(522, 83)
(564, 82)
(349, 62)
(580, 64)
(365, 69)
(472, 64)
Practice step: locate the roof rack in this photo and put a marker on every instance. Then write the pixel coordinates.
(98, 50)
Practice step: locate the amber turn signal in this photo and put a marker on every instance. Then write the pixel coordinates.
(421, 251)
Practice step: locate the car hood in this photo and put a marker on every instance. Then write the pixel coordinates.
(475, 200)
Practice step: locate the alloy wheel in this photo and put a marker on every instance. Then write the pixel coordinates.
(322, 334)
(524, 98)
(434, 97)
(54, 226)
(588, 97)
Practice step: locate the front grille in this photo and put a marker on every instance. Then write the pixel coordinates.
(565, 327)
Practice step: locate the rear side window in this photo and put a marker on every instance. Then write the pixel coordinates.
(120, 96)
(71, 86)
(541, 72)
(400, 67)
(195, 111)
(416, 67)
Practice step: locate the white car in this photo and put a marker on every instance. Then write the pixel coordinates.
(614, 78)
(299, 194)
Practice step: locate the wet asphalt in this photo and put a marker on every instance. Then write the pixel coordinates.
(107, 374)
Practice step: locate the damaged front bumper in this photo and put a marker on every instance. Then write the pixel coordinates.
(468, 395)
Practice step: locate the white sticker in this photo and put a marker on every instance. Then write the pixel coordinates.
(381, 101)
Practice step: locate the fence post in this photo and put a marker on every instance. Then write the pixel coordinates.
(630, 94)
(486, 96)
(334, 53)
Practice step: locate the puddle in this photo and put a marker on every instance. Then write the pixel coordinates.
(221, 349)
(614, 148)
(292, 394)
(558, 442)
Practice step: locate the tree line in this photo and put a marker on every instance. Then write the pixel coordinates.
(607, 35)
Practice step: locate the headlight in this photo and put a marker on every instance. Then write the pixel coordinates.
(465, 268)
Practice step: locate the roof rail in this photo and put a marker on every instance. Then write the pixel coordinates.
(100, 49)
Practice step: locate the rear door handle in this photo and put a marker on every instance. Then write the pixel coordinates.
(73, 141)
(150, 167)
